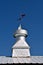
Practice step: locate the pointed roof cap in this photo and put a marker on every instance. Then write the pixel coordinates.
(19, 45)
(20, 32)
(19, 27)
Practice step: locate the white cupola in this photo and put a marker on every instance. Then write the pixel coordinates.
(20, 48)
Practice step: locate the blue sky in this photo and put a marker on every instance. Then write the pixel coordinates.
(10, 10)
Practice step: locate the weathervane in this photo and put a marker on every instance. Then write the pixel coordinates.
(21, 16)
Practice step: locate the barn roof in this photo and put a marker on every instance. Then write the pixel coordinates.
(31, 59)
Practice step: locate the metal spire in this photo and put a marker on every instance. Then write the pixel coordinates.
(19, 27)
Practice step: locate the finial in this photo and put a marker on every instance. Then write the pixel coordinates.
(19, 27)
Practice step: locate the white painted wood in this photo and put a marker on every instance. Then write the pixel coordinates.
(21, 53)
